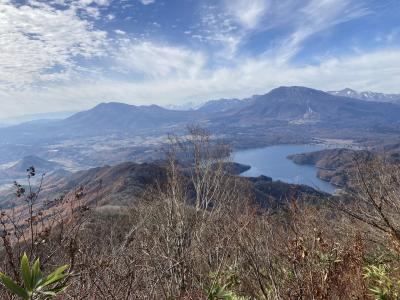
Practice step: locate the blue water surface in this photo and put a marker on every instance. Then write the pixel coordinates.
(272, 161)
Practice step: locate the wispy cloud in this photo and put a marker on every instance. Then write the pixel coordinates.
(318, 16)
(229, 23)
(154, 61)
(233, 22)
(247, 13)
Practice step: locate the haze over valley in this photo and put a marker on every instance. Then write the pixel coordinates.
(114, 132)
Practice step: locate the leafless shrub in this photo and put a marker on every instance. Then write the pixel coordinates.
(376, 200)
(199, 235)
(43, 231)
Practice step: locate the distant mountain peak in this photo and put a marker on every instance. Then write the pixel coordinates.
(299, 92)
(222, 105)
(299, 105)
(112, 103)
(39, 163)
(367, 95)
(348, 92)
(120, 118)
(294, 88)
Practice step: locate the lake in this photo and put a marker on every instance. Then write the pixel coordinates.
(272, 161)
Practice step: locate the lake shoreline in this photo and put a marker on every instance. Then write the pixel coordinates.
(272, 161)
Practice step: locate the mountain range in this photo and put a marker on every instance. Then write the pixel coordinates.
(296, 103)
(367, 95)
(115, 132)
(290, 104)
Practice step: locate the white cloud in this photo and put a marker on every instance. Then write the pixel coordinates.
(219, 28)
(120, 32)
(39, 43)
(98, 2)
(94, 12)
(232, 23)
(43, 43)
(247, 12)
(379, 71)
(147, 2)
(110, 17)
(152, 60)
(40, 47)
(315, 17)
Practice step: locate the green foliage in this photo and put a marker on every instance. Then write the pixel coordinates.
(35, 285)
(221, 288)
(382, 285)
(217, 292)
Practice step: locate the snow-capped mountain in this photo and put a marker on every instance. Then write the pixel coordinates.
(367, 95)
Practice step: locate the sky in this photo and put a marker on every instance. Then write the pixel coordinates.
(69, 55)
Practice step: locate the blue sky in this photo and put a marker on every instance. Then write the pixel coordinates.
(72, 54)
